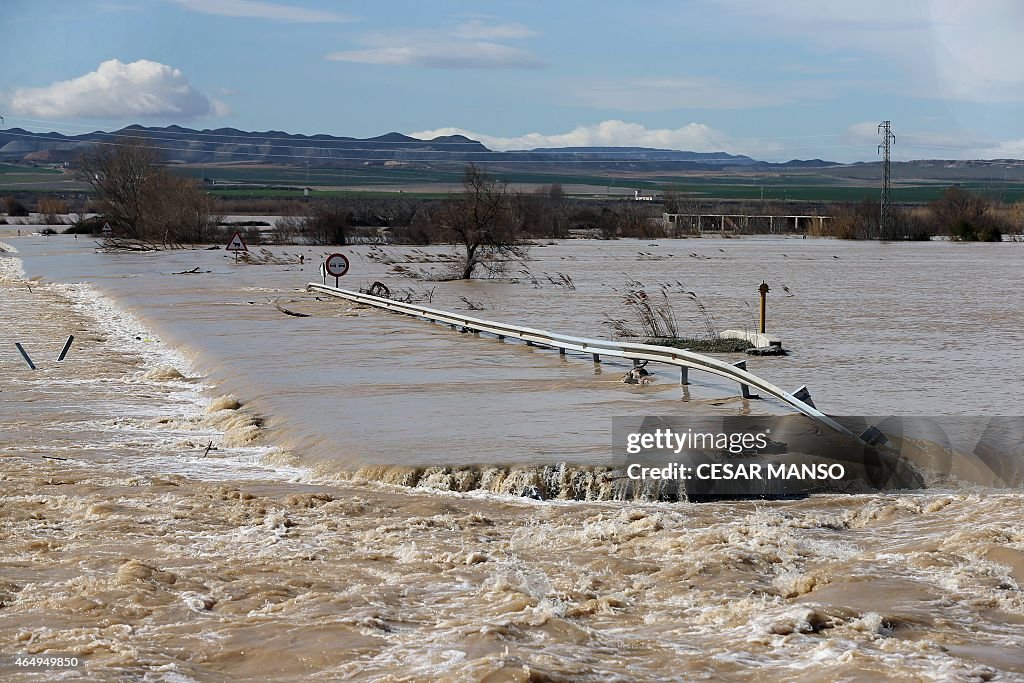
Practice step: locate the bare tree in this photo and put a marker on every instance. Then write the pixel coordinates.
(480, 219)
(672, 200)
(329, 223)
(542, 213)
(142, 199)
(966, 216)
(120, 173)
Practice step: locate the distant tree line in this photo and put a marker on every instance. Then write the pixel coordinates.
(143, 201)
(547, 213)
(544, 213)
(958, 214)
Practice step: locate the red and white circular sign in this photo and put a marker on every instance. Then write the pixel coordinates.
(336, 265)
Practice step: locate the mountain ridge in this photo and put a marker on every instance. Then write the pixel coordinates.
(232, 145)
(227, 145)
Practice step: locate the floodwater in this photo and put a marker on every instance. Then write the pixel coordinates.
(159, 531)
(902, 329)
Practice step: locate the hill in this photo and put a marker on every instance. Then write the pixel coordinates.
(233, 146)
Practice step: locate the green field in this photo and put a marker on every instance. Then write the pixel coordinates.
(285, 182)
(288, 193)
(915, 194)
(279, 182)
(816, 193)
(319, 177)
(21, 178)
(27, 170)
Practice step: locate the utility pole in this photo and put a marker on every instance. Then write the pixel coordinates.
(885, 227)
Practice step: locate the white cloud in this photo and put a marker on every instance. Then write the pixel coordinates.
(1008, 149)
(256, 9)
(646, 94)
(920, 144)
(856, 142)
(693, 137)
(118, 91)
(478, 30)
(863, 133)
(478, 55)
(471, 45)
(944, 49)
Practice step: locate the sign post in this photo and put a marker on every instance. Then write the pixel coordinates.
(336, 265)
(763, 290)
(236, 244)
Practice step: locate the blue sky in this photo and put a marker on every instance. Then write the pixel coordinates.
(774, 80)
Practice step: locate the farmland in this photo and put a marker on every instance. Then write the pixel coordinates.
(268, 181)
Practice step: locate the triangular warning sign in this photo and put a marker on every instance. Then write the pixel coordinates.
(237, 243)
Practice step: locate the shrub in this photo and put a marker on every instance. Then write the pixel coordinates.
(14, 208)
(967, 216)
(329, 224)
(87, 226)
(52, 206)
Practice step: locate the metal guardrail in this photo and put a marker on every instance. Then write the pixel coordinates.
(597, 347)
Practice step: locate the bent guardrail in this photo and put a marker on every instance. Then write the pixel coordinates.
(597, 347)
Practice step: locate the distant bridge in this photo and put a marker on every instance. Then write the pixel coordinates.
(737, 222)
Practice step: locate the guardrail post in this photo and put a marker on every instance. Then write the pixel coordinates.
(745, 389)
(873, 436)
(684, 374)
(804, 394)
(561, 351)
(597, 358)
(24, 354)
(67, 347)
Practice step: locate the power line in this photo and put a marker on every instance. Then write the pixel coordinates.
(195, 133)
(451, 158)
(68, 128)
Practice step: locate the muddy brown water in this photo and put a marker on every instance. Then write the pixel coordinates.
(181, 537)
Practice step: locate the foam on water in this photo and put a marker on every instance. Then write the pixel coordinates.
(155, 566)
(155, 406)
(11, 269)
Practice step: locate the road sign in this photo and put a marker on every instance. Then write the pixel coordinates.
(336, 265)
(236, 244)
(107, 230)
